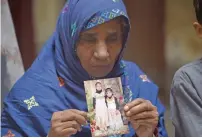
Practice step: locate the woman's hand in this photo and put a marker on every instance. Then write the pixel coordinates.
(66, 123)
(143, 116)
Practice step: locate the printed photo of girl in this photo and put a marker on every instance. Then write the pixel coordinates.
(115, 118)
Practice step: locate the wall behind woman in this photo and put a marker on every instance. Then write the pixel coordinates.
(45, 14)
(182, 45)
(146, 42)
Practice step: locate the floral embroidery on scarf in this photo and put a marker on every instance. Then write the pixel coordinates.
(112, 15)
(144, 78)
(31, 102)
(116, 11)
(61, 81)
(9, 134)
(115, 0)
(101, 20)
(104, 17)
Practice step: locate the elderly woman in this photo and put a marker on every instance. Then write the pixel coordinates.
(88, 43)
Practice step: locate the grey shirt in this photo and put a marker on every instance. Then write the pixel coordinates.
(186, 100)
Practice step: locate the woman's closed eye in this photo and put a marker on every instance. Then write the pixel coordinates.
(88, 38)
(112, 38)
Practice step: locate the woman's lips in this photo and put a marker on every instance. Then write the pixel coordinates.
(101, 66)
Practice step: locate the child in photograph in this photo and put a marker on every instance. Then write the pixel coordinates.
(101, 114)
(115, 119)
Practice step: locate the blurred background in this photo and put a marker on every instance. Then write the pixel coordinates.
(162, 38)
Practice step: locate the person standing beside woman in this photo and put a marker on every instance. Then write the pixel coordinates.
(186, 91)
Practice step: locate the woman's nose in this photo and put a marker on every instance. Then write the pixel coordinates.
(101, 51)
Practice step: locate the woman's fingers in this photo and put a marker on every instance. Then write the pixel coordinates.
(56, 117)
(72, 116)
(67, 123)
(68, 132)
(146, 121)
(82, 113)
(135, 102)
(144, 115)
(141, 107)
(71, 124)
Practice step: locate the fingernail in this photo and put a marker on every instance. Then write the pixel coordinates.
(128, 113)
(126, 108)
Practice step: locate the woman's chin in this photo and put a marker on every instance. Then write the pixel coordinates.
(99, 75)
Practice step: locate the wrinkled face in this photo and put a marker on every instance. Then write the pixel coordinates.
(98, 48)
(109, 93)
(198, 28)
(98, 87)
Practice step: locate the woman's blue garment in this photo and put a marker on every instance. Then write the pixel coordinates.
(39, 93)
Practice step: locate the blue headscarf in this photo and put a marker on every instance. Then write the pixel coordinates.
(79, 15)
(34, 98)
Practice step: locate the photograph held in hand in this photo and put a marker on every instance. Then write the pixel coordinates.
(105, 105)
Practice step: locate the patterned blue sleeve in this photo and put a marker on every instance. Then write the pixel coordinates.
(23, 118)
(8, 126)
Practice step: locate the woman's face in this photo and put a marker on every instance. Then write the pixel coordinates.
(98, 87)
(109, 93)
(99, 47)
